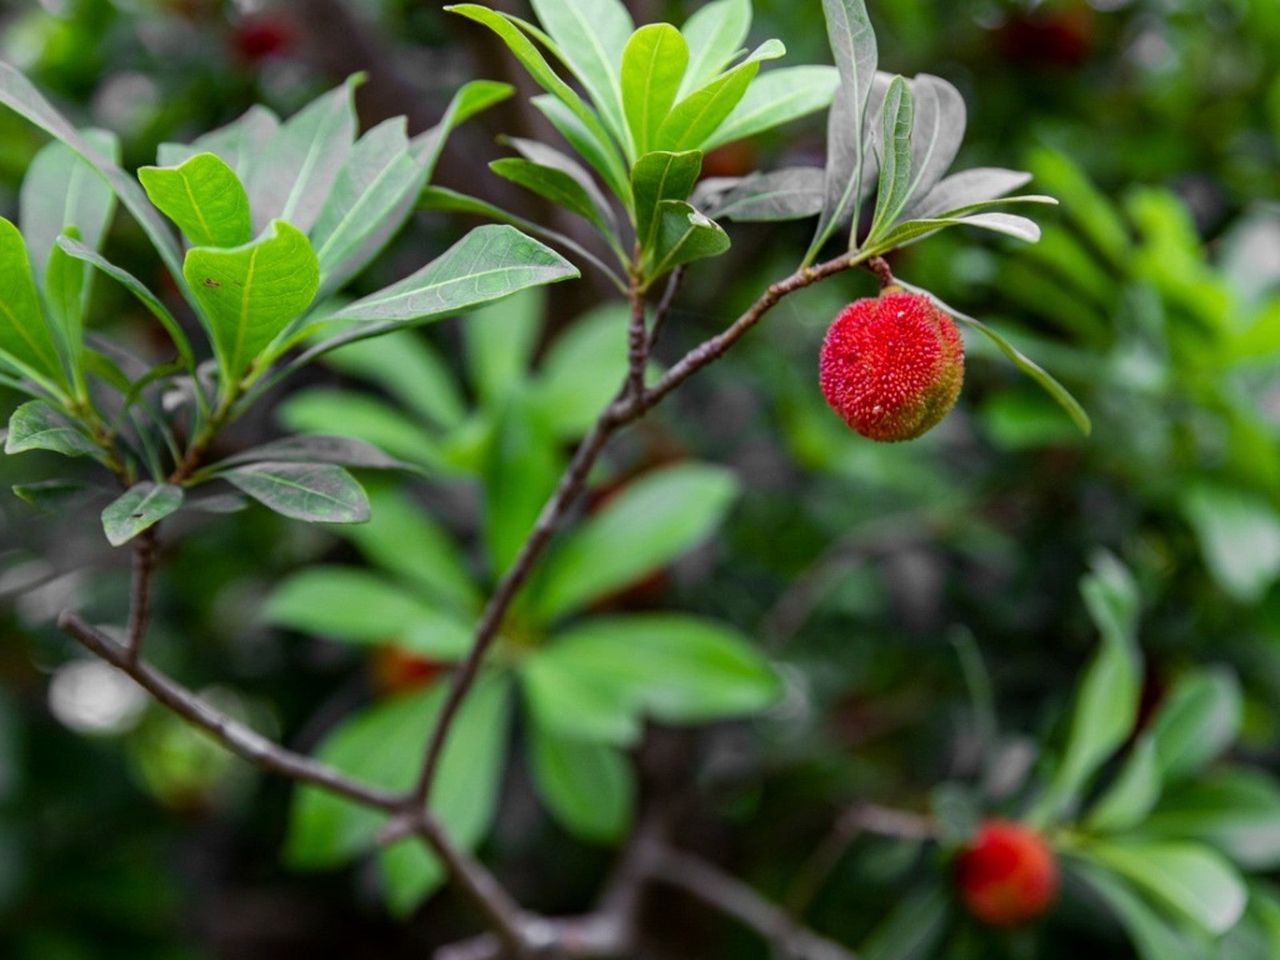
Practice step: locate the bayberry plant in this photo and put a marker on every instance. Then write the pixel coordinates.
(276, 218)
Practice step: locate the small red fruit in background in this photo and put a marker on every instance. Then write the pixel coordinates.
(397, 671)
(1007, 875)
(892, 366)
(260, 36)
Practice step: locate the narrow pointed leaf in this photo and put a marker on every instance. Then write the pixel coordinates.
(602, 157)
(533, 61)
(587, 787)
(694, 119)
(555, 185)
(853, 44)
(714, 35)
(590, 36)
(139, 508)
(318, 448)
(316, 493)
(775, 98)
(378, 176)
(964, 188)
(250, 293)
(204, 197)
(240, 143)
(74, 248)
(297, 168)
(487, 264)
(895, 160)
(653, 65)
(471, 98)
(936, 133)
(66, 285)
(60, 190)
(26, 340)
(17, 92)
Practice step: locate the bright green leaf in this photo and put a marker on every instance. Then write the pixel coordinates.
(139, 508)
(587, 787)
(895, 164)
(26, 340)
(775, 98)
(653, 65)
(204, 197)
(657, 177)
(684, 235)
(694, 119)
(714, 36)
(1197, 722)
(37, 426)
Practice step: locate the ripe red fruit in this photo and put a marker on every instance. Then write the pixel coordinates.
(1007, 875)
(892, 366)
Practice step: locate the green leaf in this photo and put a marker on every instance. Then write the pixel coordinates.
(555, 185)
(357, 606)
(646, 526)
(489, 263)
(684, 235)
(251, 293)
(695, 118)
(37, 426)
(587, 787)
(66, 283)
(653, 65)
(292, 177)
(522, 467)
(500, 339)
(17, 92)
(895, 164)
(657, 177)
(409, 369)
(546, 156)
(352, 414)
(602, 157)
(1197, 722)
(936, 134)
(853, 43)
(204, 197)
(240, 144)
(316, 448)
(582, 371)
(1239, 536)
(569, 700)
(979, 185)
(380, 745)
(533, 61)
(62, 190)
(379, 177)
(788, 194)
(714, 35)
(140, 507)
(1047, 382)
(464, 797)
(775, 98)
(590, 36)
(402, 538)
(1187, 877)
(914, 929)
(1106, 702)
(74, 248)
(26, 341)
(909, 231)
(1132, 795)
(1237, 812)
(316, 493)
(673, 668)
(1154, 937)
(55, 496)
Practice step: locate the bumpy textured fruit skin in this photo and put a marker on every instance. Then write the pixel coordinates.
(892, 366)
(1007, 875)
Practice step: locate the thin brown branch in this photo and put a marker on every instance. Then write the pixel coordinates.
(734, 898)
(880, 267)
(483, 888)
(624, 409)
(637, 340)
(145, 548)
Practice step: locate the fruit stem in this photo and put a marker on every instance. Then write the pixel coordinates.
(880, 267)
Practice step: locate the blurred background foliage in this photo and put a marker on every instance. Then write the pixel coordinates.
(866, 571)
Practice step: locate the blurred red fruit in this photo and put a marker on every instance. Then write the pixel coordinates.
(397, 671)
(892, 366)
(1007, 875)
(258, 37)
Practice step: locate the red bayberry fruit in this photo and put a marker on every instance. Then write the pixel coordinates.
(1007, 874)
(892, 366)
(259, 37)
